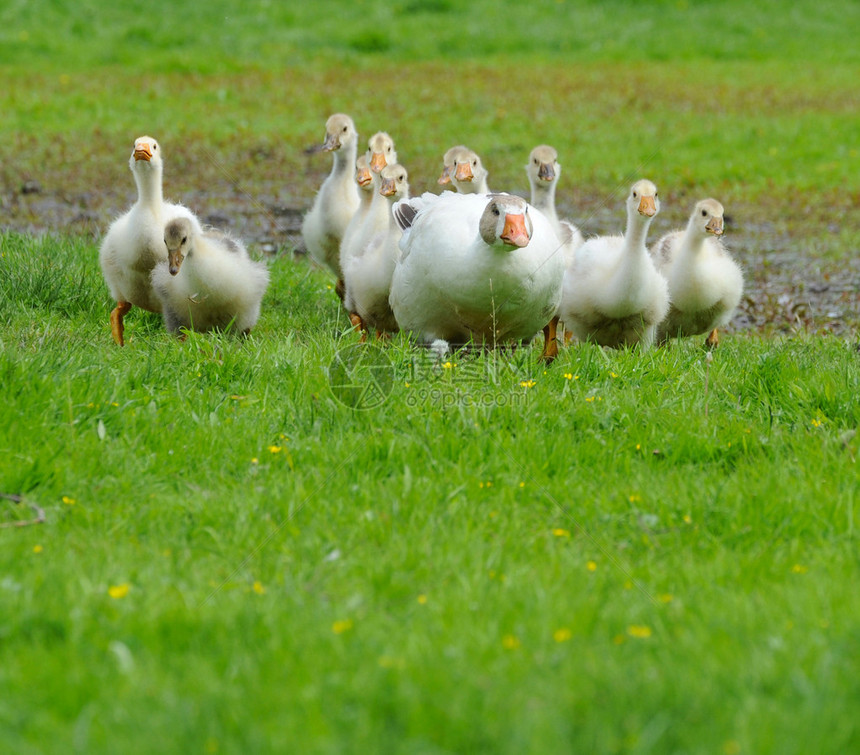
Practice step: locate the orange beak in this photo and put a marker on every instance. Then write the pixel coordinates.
(464, 171)
(715, 226)
(648, 206)
(515, 232)
(377, 162)
(142, 151)
(363, 177)
(445, 178)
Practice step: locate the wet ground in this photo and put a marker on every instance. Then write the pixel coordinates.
(789, 286)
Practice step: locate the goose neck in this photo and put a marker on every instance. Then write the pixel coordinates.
(149, 190)
(637, 231)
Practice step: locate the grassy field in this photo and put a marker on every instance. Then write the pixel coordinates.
(623, 552)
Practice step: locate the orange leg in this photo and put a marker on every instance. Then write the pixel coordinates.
(550, 341)
(358, 324)
(116, 326)
(713, 340)
(568, 336)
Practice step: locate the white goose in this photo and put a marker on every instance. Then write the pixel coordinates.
(374, 211)
(544, 170)
(134, 243)
(380, 151)
(613, 295)
(468, 173)
(448, 163)
(705, 283)
(364, 180)
(368, 272)
(208, 280)
(480, 267)
(337, 200)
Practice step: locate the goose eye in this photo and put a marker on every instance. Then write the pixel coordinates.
(704, 213)
(496, 211)
(344, 129)
(635, 195)
(536, 161)
(474, 162)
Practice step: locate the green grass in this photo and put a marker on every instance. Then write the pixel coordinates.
(495, 550)
(219, 36)
(622, 552)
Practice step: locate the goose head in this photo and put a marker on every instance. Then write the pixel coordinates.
(177, 239)
(363, 177)
(339, 131)
(146, 152)
(395, 182)
(708, 217)
(380, 151)
(543, 165)
(643, 199)
(468, 171)
(448, 161)
(505, 221)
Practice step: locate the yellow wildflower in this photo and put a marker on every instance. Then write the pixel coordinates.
(119, 591)
(559, 532)
(258, 587)
(562, 635)
(591, 566)
(510, 642)
(528, 383)
(68, 501)
(799, 569)
(275, 449)
(37, 549)
(422, 599)
(341, 626)
(640, 631)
